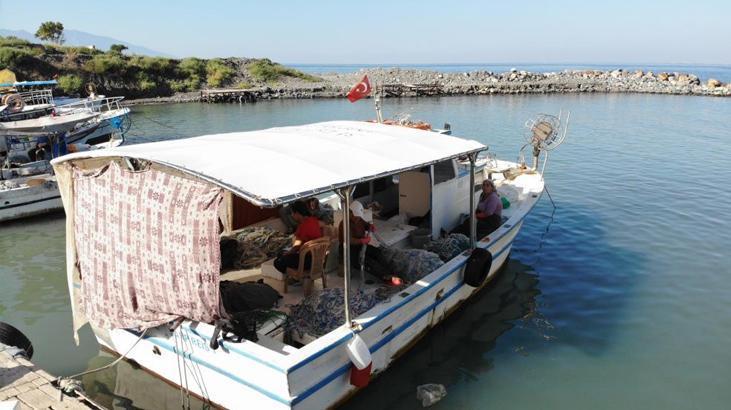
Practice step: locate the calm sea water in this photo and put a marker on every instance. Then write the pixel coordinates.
(704, 72)
(618, 298)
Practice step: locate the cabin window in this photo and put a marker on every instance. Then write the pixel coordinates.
(443, 171)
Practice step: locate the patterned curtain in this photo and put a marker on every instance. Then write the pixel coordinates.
(147, 247)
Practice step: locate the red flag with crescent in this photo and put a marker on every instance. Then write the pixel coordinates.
(360, 90)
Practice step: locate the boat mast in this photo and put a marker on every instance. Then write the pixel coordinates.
(377, 103)
(345, 195)
(473, 219)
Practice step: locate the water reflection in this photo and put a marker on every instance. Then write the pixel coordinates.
(127, 386)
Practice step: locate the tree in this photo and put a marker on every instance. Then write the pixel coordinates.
(51, 31)
(117, 48)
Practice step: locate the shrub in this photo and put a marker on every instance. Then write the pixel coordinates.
(70, 84)
(104, 64)
(243, 85)
(12, 41)
(14, 58)
(218, 72)
(152, 65)
(268, 71)
(178, 86)
(147, 85)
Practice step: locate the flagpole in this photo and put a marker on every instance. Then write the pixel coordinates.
(377, 102)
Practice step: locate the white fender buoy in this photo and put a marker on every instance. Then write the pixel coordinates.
(360, 357)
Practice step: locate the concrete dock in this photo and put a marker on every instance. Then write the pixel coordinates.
(24, 385)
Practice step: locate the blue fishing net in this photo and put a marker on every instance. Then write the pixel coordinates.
(323, 311)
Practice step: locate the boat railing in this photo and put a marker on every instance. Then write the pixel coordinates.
(97, 105)
(37, 97)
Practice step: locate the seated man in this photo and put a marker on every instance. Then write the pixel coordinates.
(375, 262)
(308, 228)
(488, 213)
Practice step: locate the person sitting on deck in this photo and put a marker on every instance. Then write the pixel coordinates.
(308, 228)
(488, 213)
(375, 262)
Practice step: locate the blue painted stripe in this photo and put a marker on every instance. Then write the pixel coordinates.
(322, 383)
(230, 347)
(165, 345)
(320, 352)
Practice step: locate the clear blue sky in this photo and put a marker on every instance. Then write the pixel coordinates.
(375, 31)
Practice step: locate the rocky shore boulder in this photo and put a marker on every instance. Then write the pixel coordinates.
(713, 83)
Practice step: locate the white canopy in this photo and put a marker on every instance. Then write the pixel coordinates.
(277, 165)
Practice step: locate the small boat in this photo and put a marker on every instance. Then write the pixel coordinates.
(27, 183)
(144, 227)
(90, 120)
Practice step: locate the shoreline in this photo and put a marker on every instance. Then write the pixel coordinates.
(397, 82)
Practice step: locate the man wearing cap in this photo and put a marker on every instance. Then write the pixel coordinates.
(375, 262)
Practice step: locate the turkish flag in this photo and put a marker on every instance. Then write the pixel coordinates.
(360, 90)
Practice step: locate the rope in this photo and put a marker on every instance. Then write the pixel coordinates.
(545, 231)
(183, 375)
(66, 381)
(157, 122)
(545, 187)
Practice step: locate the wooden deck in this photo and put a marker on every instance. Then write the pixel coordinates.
(32, 388)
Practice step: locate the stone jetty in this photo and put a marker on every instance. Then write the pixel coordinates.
(395, 82)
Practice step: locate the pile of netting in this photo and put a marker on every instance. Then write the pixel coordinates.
(449, 247)
(324, 310)
(412, 264)
(259, 244)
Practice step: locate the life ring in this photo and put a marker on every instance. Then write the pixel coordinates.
(14, 337)
(14, 102)
(477, 267)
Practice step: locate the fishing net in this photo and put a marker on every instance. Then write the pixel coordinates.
(449, 247)
(259, 244)
(412, 264)
(323, 311)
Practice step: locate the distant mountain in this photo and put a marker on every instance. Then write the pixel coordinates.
(80, 38)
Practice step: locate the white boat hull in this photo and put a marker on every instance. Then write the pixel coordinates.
(28, 200)
(60, 123)
(315, 376)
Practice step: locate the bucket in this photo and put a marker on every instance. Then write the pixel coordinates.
(420, 237)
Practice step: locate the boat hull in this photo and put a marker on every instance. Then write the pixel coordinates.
(28, 200)
(316, 376)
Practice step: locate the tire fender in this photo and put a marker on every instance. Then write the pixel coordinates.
(11, 336)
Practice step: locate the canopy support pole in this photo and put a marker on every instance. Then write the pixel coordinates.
(473, 217)
(345, 195)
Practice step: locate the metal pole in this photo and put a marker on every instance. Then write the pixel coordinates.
(473, 218)
(345, 196)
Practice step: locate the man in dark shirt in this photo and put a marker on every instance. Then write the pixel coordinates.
(375, 262)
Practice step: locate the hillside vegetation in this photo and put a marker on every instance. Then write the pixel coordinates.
(135, 76)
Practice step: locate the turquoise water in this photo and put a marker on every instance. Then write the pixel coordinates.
(619, 298)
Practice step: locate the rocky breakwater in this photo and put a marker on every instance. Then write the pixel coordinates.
(397, 82)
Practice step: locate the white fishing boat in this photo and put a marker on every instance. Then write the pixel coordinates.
(27, 184)
(144, 262)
